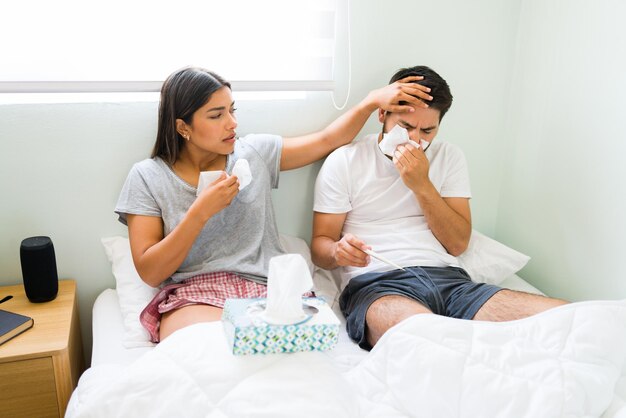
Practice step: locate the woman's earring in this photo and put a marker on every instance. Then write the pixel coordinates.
(187, 137)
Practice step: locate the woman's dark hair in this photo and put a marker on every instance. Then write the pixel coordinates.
(439, 89)
(185, 91)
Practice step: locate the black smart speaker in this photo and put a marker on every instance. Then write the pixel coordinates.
(39, 269)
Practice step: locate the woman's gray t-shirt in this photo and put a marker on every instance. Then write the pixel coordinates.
(240, 238)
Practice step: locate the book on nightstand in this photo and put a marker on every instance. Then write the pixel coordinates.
(12, 324)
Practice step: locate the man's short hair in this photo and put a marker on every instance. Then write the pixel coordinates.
(439, 89)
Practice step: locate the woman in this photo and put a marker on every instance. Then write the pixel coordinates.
(217, 245)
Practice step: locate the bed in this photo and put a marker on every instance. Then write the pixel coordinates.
(570, 361)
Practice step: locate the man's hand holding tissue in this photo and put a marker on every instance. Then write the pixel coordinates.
(216, 196)
(413, 166)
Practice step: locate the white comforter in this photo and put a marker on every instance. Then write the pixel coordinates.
(566, 362)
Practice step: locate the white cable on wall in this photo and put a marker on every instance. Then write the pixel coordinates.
(349, 62)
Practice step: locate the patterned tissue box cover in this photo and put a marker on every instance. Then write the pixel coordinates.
(249, 334)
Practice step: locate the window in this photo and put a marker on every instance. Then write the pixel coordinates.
(121, 45)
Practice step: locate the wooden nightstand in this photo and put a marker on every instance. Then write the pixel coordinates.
(40, 368)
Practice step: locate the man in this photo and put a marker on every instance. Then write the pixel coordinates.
(413, 209)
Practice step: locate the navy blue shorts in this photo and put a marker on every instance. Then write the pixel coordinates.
(446, 291)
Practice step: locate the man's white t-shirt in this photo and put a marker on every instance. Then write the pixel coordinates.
(358, 179)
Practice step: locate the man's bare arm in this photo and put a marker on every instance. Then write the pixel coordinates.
(329, 250)
(449, 219)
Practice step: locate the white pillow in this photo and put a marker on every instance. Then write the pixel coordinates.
(134, 294)
(489, 261)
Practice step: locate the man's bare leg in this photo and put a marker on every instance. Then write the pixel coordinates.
(508, 305)
(388, 311)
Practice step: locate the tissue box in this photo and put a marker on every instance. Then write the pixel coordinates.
(249, 334)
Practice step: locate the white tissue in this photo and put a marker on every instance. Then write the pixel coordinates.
(241, 169)
(206, 178)
(288, 278)
(398, 136)
(243, 173)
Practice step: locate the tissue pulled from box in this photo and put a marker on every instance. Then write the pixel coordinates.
(288, 278)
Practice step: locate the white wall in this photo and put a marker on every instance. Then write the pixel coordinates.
(470, 45)
(563, 198)
(63, 164)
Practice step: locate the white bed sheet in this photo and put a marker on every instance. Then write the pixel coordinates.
(108, 332)
(120, 379)
(108, 326)
(110, 357)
